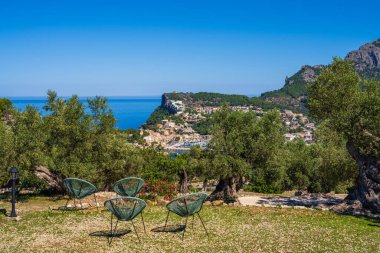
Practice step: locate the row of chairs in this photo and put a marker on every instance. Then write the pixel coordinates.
(127, 206)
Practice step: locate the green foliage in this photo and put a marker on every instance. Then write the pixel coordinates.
(244, 146)
(217, 99)
(75, 141)
(261, 186)
(334, 94)
(5, 104)
(22, 144)
(203, 126)
(157, 116)
(70, 140)
(7, 151)
(265, 105)
(155, 165)
(299, 165)
(335, 167)
(370, 73)
(295, 86)
(255, 148)
(350, 110)
(177, 119)
(134, 136)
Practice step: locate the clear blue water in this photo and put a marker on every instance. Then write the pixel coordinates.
(130, 112)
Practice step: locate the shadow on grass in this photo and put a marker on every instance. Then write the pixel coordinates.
(66, 209)
(374, 225)
(107, 233)
(169, 229)
(374, 221)
(306, 201)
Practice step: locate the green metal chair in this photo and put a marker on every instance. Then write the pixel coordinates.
(124, 209)
(130, 187)
(79, 189)
(187, 205)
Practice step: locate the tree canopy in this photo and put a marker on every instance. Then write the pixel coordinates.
(352, 108)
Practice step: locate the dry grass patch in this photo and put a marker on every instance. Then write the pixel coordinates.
(232, 229)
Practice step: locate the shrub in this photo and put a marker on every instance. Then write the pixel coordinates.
(163, 188)
(262, 188)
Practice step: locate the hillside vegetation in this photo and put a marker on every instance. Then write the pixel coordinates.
(218, 99)
(296, 85)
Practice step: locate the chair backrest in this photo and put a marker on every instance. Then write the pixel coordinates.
(188, 204)
(125, 208)
(129, 186)
(78, 188)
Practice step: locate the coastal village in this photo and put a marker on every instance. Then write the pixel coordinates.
(177, 137)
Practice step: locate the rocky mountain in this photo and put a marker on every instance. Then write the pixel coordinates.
(294, 91)
(366, 61)
(295, 85)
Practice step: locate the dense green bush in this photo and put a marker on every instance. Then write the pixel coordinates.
(5, 104)
(262, 187)
(203, 126)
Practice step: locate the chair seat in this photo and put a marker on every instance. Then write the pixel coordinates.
(187, 205)
(128, 186)
(78, 188)
(125, 208)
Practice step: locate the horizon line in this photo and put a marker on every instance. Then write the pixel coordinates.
(118, 96)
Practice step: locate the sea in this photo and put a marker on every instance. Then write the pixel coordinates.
(130, 112)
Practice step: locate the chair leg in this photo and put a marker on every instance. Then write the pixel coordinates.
(111, 224)
(184, 230)
(203, 225)
(142, 218)
(134, 228)
(114, 230)
(166, 222)
(192, 225)
(108, 239)
(67, 202)
(81, 206)
(96, 202)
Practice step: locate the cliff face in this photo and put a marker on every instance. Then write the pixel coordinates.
(166, 104)
(367, 60)
(367, 56)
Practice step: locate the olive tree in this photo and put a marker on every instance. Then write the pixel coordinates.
(352, 108)
(241, 145)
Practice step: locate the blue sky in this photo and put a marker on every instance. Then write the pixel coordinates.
(141, 48)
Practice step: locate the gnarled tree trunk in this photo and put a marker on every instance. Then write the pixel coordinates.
(205, 184)
(183, 184)
(227, 189)
(367, 190)
(54, 181)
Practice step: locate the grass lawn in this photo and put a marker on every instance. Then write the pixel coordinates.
(232, 229)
